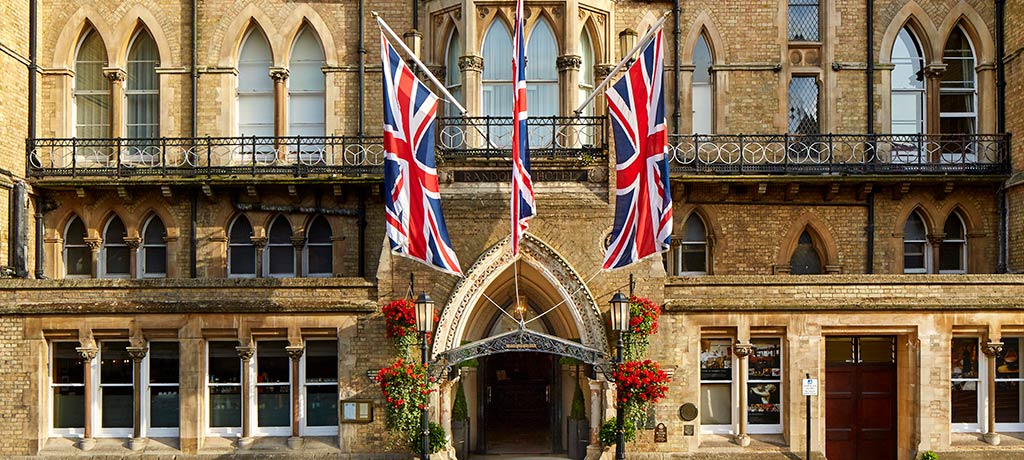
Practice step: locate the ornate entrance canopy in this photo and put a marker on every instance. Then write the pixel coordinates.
(522, 340)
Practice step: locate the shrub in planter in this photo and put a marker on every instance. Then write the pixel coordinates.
(578, 426)
(460, 424)
(437, 440)
(607, 433)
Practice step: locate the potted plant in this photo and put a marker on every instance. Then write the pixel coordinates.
(460, 424)
(578, 426)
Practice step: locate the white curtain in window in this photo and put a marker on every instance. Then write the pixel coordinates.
(255, 88)
(92, 90)
(453, 75)
(586, 72)
(142, 88)
(306, 105)
(541, 73)
(702, 95)
(497, 75)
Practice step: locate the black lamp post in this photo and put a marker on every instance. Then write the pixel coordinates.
(620, 323)
(425, 324)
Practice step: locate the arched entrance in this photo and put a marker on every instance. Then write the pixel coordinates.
(517, 334)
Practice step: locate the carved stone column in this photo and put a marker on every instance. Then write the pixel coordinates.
(569, 73)
(601, 71)
(94, 245)
(991, 350)
(280, 77)
(742, 351)
(298, 242)
(260, 242)
(133, 243)
(472, 68)
(933, 82)
(245, 353)
(295, 354)
(137, 442)
(88, 354)
(116, 77)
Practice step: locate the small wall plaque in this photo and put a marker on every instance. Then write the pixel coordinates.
(688, 412)
(661, 433)
(356, 411)
(687, 430)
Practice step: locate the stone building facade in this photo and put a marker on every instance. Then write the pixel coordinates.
(193, 226)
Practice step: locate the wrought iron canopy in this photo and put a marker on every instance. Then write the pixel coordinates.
(521, 340)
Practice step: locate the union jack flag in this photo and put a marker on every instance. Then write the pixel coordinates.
(523, 206)
(643, 202)
(415, 224)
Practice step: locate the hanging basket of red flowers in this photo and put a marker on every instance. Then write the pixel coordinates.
(643, 322)
(639, 383)
(406, 389)
(400, 323)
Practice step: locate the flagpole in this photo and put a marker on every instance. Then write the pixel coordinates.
(383, 25)
(626, 57)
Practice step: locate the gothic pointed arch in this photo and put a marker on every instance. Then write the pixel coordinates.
(304, 17)
(914, 17)
(231, 45)
(83, 20)
(820, 237)
(547, 271)
(965, 16)
(704, 26)
(597, 44)
(136, 19)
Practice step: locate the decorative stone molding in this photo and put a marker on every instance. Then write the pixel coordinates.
(602, 71)
(133, 243)
(94, 243)
(245, 352)
(298, 241)
(992, 348)
(259, 241)
(279, 74)
(114, 74)
(935, 70)
(568, 62)
(87, 353)
(471, 63)
(742, 350)
(137, 353)
(295, 351)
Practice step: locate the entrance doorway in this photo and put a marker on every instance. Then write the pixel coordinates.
(520, 396)
(860, 398)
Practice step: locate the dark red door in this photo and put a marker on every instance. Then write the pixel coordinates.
(860, 401)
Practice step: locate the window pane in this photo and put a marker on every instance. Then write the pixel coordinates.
(964, 358)
(67, 363)
(763, 404)
(803, 105)
(164, 407)
(876, 350)
(320, 259)
(225, 366)
(115, 364)
(79, 261)
(321, 361)
(839, 350)
(69, 407)
(241, 231)
(319, 231)
(115, 232)
(226, 406)
(957, 125)
(272, 361)
(282, 260)
(541, 51)
(497, 53)
(273, 405)
(243, 260)
(715, 404)
(1007, 364)
(155, 232)
(908, 61)
(322, 405)
(156, 260)
(965, 402)
(694, 257)
(453, 76)
(280, 232)
(118, 260)
(951, 256)
(803, 20)
(805, 259)
(75, 233)
(765, 361)
(117, 407)
(716, 359)
(163, 362)
(957, 102)
(1008, 396)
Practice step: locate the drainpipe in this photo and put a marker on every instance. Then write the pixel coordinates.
(33, 69)
(1004, 255)
(869, 42)
(19, 229)
(40, 252)
(194, 215)
(362, 65)
(675, 60)
(362, 232)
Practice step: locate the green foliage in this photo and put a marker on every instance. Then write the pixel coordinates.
(579, 408)
(437, 439)
(929, 455)
(607, 434)
(460, 411)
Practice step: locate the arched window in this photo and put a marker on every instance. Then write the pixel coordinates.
(279, 258)
(953, 250)
(77, 256)
(497, 74)
(702, 92)
(689, 255)
(586, 71)
(908, 94)
(805, 259)
(92, 90)
(154, 248)
(541, 75)
(318, 255)
(306, 83)
(255, 88)
(115, 255)
(916, 252)
(958, 98)
(453, 75)
(241, 251)
(142, 88)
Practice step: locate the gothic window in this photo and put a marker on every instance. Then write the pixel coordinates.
(916, 251)
(542, 75)
(77, 255)
(306, 83)
(279, 258)
(953, 250)
(142, 88)
(318, 252)
(453, 75)
(908, 95)
(255, 88)
(689, 255)
(702, 90)
(586, 84)
(92, 90)
(803, 105)
(804, 21)
(115, 254)
(958, 97)
(154, 248)
(805, 259)
(497, 74)
(241, 251)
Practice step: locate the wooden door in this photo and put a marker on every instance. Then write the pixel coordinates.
(860, 407)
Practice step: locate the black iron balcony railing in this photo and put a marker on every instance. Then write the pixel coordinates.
(550, 137)
(840, 154)
(296, 155)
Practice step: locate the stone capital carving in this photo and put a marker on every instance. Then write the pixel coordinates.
(259, 241)
(137, 353)
(742, 349)
(936, 238)
(133, 243)
(87, 353)
(935, 70)
(568, 62)
(295, 351)
(602, 71)
(471, 63)
(94, 243)
(245, 352)
(992, 348)
(114, 74)
(279, 74)
(298, 241)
